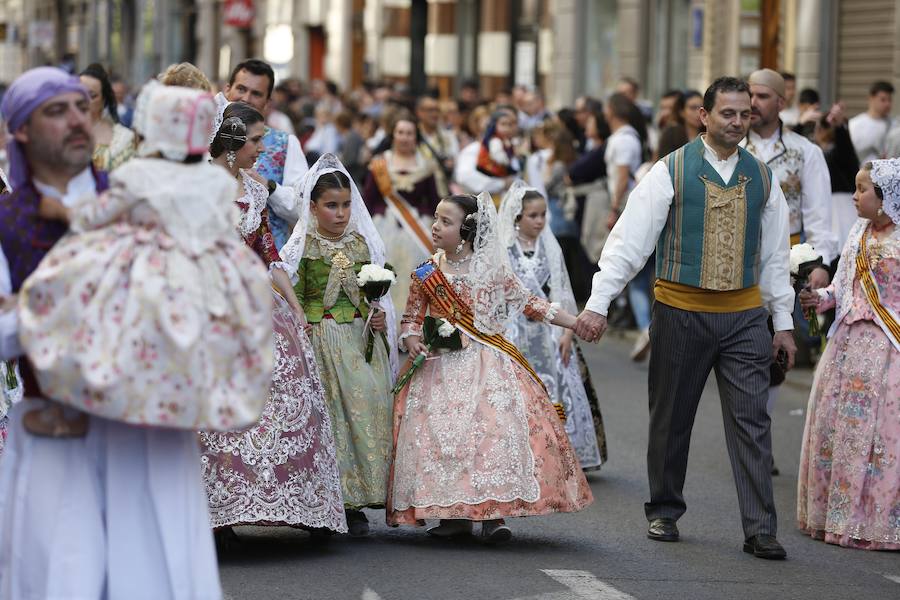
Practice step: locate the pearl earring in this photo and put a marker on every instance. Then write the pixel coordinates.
(460, 246)
(517, 227)
(230, 157)
(880, 212)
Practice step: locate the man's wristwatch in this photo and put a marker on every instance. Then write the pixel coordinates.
(272, 186)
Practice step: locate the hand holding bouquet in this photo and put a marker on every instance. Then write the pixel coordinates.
(375, 281)
(436, 333)
(804, 260)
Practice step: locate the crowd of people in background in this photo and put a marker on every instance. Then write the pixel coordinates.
(500, 218)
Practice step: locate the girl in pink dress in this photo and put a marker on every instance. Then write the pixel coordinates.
(849, 487)
(476, 437)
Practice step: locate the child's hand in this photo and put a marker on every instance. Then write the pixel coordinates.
(52, 209)
(809, 299)
(378, 322)
(414, 346)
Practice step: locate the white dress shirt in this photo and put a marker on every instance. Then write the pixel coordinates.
(868, 135)
(79, 186)
(284, 200)
(791, 156)
(466, 173)
(634, 238)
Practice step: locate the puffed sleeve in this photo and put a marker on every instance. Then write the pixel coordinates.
(93, 212)
(414, 314)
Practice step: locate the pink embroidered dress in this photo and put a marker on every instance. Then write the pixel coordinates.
(849, 484)
(475, 435)
(282, 471)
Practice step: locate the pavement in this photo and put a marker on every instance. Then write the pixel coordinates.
(601, 553)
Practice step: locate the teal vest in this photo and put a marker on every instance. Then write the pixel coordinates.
(711, 239)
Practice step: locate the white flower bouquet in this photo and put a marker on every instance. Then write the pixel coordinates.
(375, 282)
(805, 259)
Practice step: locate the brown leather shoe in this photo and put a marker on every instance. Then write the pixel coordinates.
(765, 546)
(663, 530)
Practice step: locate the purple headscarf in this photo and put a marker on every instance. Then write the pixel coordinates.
(31, 89)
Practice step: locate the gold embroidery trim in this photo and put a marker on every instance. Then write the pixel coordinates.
(724, 235)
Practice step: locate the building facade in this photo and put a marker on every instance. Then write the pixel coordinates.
(566, 48)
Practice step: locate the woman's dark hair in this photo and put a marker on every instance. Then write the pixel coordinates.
(626, 110)
(878, 191)
(528, 197)
(334, 180)
(97, 71)
(225, 140)
(469, 205)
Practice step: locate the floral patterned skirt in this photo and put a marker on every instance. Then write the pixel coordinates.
(283, 471)
(849, 485)
(475, 437)
(122, 323)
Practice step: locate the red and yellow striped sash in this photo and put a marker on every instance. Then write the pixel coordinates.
(441, 293)
(871, 289)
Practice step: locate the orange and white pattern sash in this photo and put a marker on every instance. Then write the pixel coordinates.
(442, 295)
(889, 320)
(400, 208)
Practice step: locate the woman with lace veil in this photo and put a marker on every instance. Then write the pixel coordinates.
(537, 260)
(849, 484)
(330, 244)
(283, 470)
(476, 437)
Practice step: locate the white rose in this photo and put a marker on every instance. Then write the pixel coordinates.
(446, 329)
(373, 272)
(802, 253)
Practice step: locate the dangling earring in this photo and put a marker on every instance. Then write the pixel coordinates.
(880, 212)
(517, 227)
(230, 157)
(459, 247)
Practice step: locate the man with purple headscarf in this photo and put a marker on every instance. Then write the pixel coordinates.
(120, 512)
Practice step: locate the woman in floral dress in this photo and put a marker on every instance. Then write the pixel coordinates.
(283, 471)
(537, 260)
(849, 487)
(476, 437)
(332, 241)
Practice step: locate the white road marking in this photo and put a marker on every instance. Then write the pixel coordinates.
(894, 578)
(585, 585)
(369, 594)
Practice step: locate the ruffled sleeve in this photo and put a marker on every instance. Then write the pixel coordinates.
(93, 212)
(414, 315)
(533, 307)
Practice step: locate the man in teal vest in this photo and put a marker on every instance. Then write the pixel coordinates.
(282, 163)
(718, 222)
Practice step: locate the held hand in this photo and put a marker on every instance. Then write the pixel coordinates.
(818, 278)
(378, 321)
(784, 341)
(809, 299)
(53, 209)
(415, 347)
(565, 347)
(590, 326)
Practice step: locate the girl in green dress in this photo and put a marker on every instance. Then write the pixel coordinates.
(330, 244)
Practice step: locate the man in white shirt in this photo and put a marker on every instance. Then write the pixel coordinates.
(799, 165)
(282, 162)
(120, 512)
(869, 129)
(718, 221)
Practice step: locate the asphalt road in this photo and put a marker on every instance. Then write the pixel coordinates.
(601, 553)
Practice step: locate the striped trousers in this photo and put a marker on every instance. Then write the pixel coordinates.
(686, 347)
